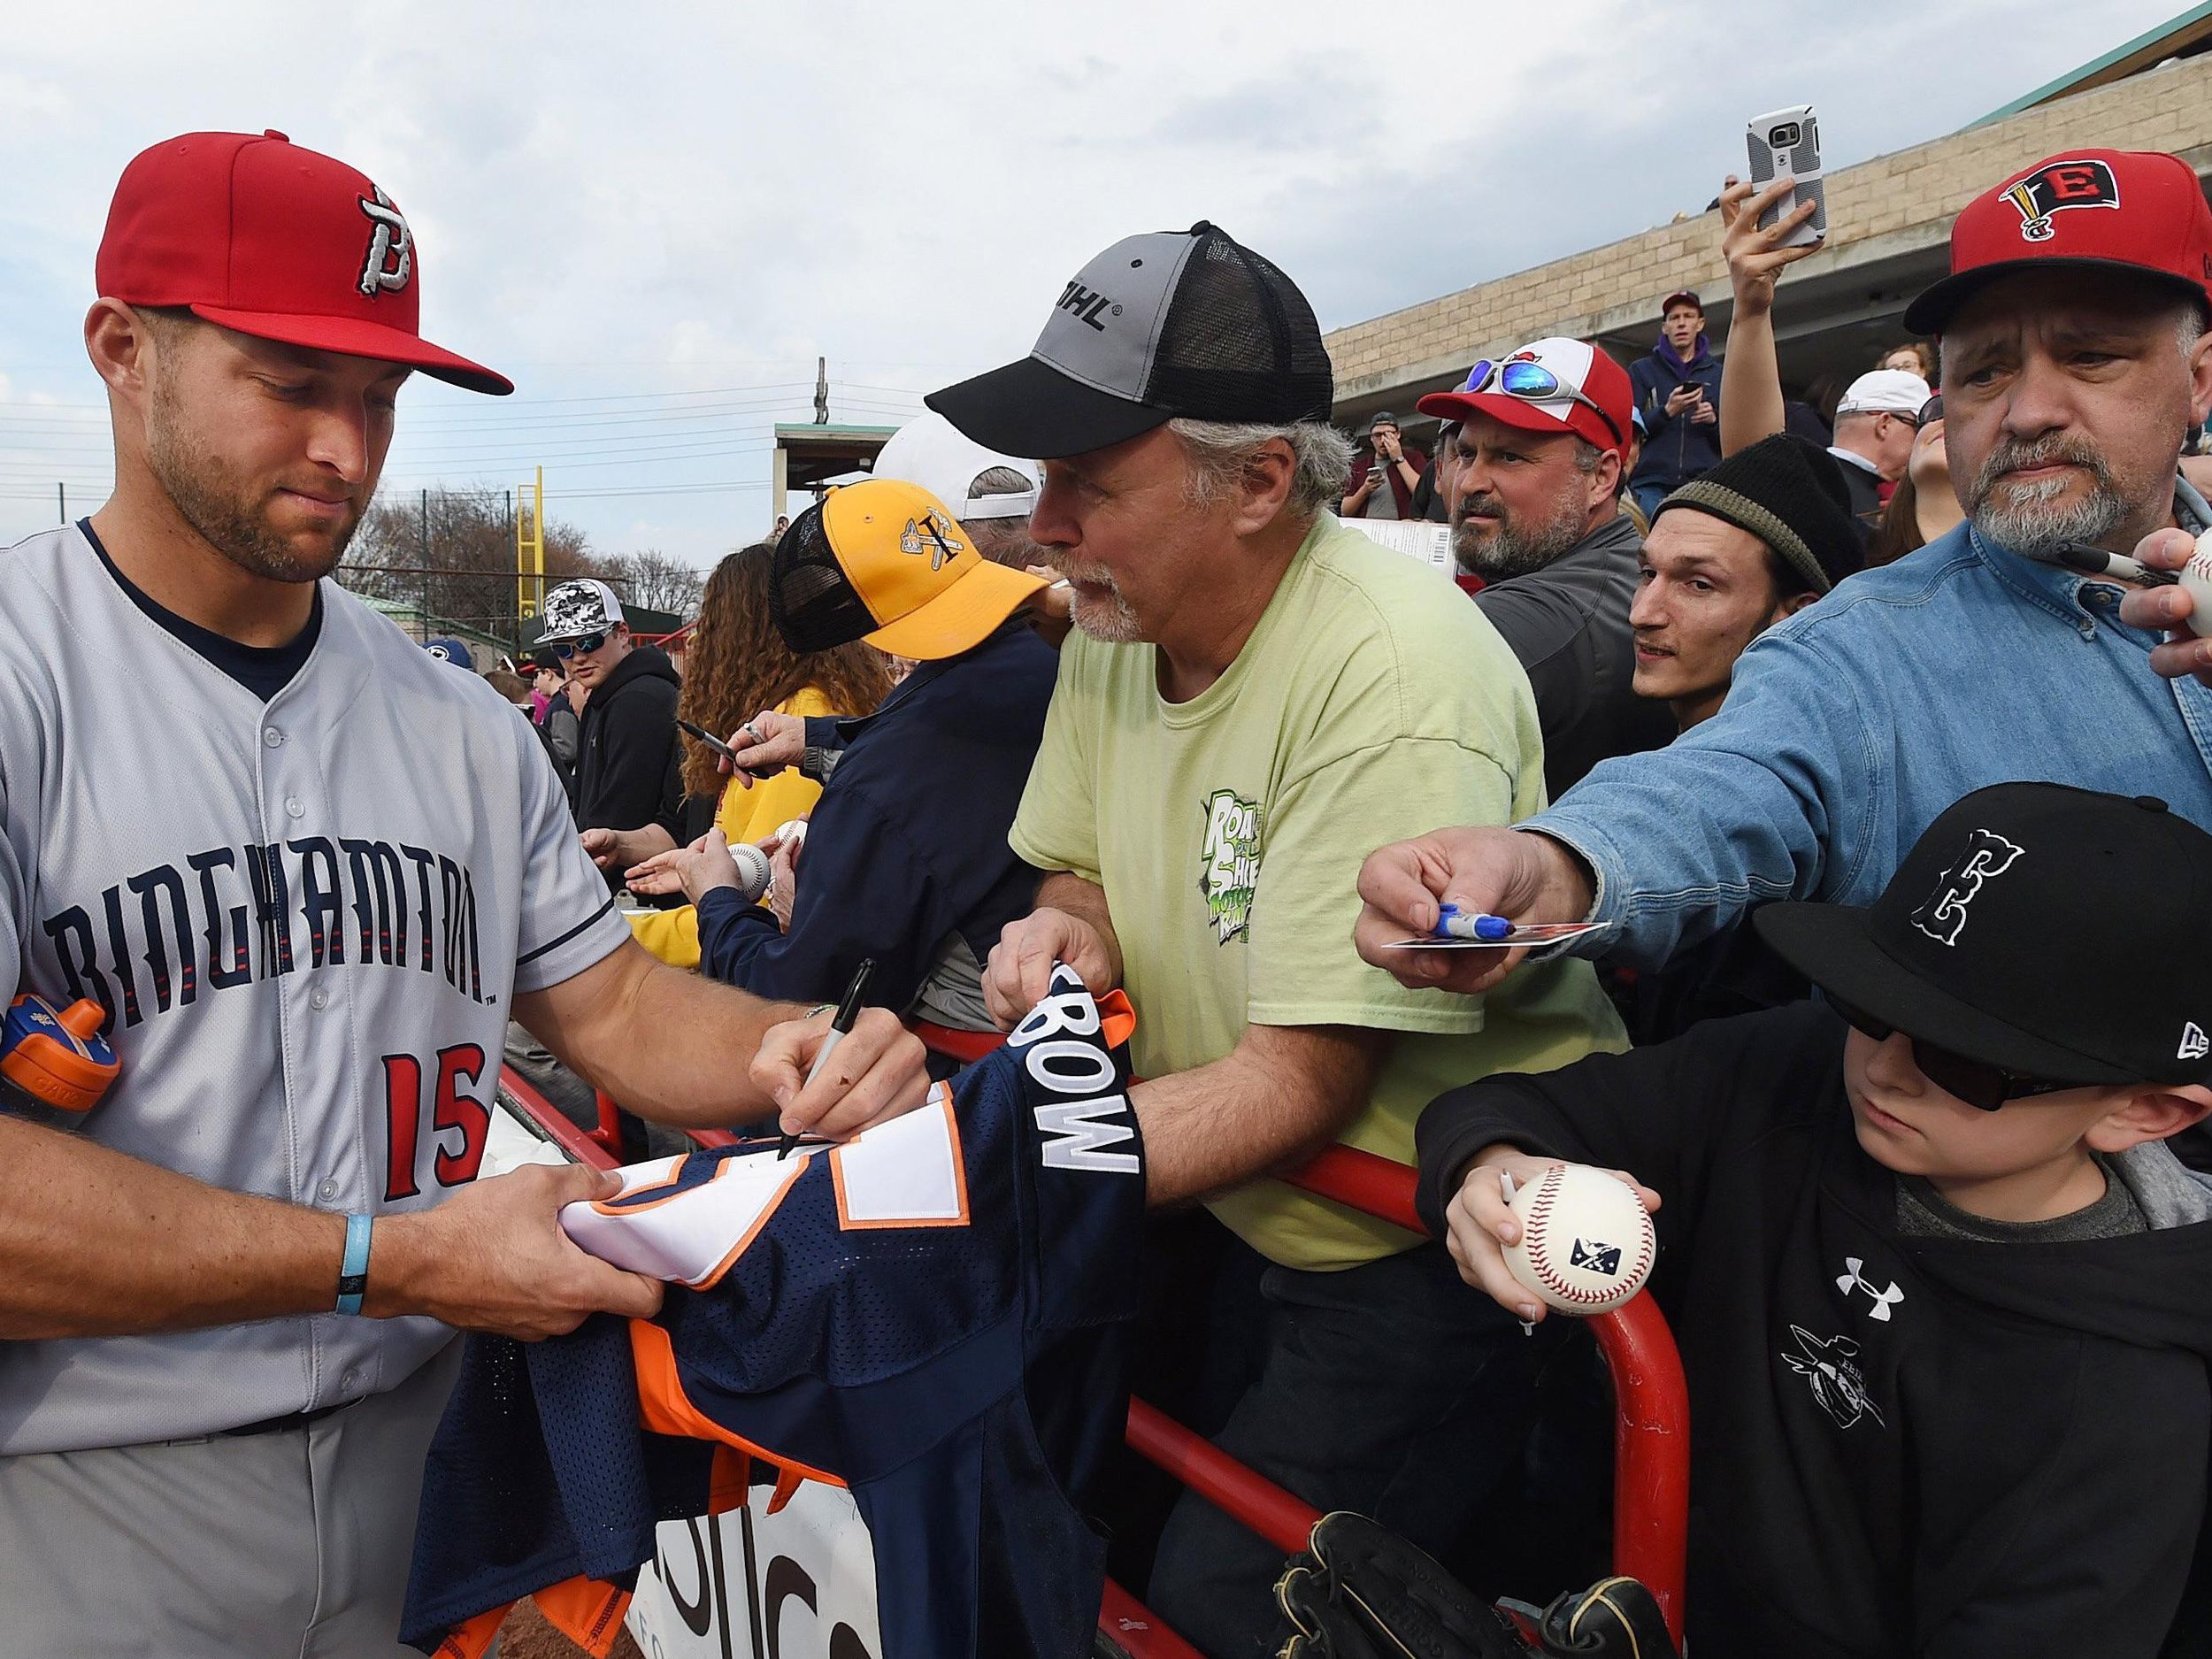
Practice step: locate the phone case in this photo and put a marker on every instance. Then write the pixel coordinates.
(1801, 160)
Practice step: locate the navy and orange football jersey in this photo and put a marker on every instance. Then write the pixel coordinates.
(933, 1315)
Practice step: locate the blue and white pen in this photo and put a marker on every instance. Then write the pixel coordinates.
(1453, 922)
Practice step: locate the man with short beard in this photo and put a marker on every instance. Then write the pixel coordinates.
(1535, 512)
(1255, 695)
(2075, 360)
(307, 872)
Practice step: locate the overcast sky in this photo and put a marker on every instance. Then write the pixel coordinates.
(655, 216)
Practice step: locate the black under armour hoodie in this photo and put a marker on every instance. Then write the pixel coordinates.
(1899, 1444)
(628, 764)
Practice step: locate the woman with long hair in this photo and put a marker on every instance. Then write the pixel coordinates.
(738, 666)
(1924, 505)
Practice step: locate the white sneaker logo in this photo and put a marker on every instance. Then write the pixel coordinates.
(2194, 1044)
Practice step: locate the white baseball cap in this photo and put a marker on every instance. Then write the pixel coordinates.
(578, 608)
(1884, 392)
(931, 451)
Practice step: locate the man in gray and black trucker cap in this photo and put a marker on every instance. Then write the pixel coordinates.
(1256, 697)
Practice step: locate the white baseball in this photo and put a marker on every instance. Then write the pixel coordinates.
(752, 869)
(2196, 581)
(1586, 1241)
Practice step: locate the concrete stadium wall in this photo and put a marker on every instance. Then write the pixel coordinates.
(1876, 209)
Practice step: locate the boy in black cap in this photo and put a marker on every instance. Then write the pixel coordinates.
(1940, 1287)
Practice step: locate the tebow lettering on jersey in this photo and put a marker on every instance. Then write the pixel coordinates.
(1075, 1131)
(226, 919)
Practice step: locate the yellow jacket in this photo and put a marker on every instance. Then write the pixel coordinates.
(743, 815)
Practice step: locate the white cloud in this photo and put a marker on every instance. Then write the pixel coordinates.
(665, 199)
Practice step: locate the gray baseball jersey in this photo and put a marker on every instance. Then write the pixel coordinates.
(308, 920)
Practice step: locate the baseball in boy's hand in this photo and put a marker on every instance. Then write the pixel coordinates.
(1534, 1232)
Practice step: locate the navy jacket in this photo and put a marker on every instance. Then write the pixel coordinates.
(1676, 448)
(908, 842)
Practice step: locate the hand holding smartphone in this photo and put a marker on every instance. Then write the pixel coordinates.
(1788, 141)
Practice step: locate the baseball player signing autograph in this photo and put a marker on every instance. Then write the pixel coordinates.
(309, 872)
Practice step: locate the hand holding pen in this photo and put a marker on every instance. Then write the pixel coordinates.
(841, 1027)
(883, 1070)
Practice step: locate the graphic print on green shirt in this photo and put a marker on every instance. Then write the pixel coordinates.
(1229, 862)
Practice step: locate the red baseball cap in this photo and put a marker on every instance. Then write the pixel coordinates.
(2100, 209)
(257, 234)
(1554, 384)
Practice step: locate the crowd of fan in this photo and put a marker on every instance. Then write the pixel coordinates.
(1725, 650)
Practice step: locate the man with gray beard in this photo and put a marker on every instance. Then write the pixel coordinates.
(2075, 359)
(1535, 512)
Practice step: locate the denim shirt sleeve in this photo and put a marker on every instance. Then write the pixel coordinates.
(1771, 798)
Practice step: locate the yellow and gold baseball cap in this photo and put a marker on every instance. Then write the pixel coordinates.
(885, 561)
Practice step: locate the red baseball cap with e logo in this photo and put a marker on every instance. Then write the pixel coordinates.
(2111, 209)
(257, 234)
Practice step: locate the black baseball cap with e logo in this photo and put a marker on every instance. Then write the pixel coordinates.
(2053, 933)
(1176, 323)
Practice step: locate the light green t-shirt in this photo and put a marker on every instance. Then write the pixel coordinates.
(1372, 702)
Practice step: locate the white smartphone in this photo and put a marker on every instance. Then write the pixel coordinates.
(1788, 141)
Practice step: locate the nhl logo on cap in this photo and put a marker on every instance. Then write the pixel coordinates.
(2058, 185)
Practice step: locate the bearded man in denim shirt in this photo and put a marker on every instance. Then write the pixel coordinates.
(2075, 358)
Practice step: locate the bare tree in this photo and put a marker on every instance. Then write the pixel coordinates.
(451, 553)
(656, 580)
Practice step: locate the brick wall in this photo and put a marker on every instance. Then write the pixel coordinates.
(1899, 200)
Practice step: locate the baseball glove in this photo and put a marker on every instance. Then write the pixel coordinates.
(1614, 1618)
(1361, 1591)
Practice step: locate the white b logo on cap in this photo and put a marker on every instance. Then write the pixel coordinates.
(391, 257)
(1987, 854)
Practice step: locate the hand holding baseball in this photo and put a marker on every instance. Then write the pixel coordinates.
(696, 870)
(2181, 610)
(1484, 1228)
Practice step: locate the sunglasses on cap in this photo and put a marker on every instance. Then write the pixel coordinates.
(1527, 379)
(1976, 1082)
(583, 646)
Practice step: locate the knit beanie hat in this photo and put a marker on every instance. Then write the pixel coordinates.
(1791, 494)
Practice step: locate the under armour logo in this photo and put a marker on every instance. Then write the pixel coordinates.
(1855, 1279)
(1595, 1256)
(2194, 1044)
(1987, 854)
(391, 257)
(930, 535)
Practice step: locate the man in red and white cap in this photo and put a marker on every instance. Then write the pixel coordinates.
(309, 873)
(2075, 359)
(1541, 448)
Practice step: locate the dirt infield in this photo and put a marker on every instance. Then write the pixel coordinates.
(526, 1635)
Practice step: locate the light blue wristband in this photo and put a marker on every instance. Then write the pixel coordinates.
(353, 1271)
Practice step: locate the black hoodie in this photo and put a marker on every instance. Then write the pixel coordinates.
(629, 766)
(1900, 1445)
